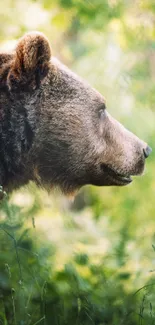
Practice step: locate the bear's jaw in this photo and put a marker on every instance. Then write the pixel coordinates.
(118, 179)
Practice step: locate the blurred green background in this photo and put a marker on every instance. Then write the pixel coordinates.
(91, 261)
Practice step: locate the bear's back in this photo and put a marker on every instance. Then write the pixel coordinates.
(5, 64)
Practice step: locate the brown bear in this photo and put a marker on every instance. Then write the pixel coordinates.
(55, 129)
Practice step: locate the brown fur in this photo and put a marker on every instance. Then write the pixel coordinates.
(54, 128)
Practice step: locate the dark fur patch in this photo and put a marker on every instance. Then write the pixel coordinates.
(5, 66)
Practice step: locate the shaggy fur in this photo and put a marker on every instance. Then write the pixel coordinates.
(54, 128)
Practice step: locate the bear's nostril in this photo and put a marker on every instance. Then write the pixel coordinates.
(147, 151)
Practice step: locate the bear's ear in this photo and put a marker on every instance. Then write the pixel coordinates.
(31, 60)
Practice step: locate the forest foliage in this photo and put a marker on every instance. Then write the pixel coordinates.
(91, 261)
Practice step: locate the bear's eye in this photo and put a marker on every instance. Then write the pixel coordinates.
(102, 112)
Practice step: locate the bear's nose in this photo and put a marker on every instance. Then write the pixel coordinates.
(147, 151)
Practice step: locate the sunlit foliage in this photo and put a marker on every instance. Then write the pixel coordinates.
(90, 261)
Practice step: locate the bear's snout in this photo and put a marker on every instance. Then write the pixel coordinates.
(124, 154)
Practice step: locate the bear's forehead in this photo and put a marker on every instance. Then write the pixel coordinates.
(75, 80)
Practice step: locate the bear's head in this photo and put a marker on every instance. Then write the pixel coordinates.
(55, 129)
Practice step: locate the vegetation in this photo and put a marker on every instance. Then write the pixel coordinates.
(91, 261)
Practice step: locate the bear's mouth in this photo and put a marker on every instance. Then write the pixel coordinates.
(115, 177)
